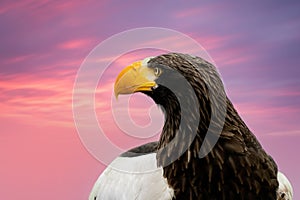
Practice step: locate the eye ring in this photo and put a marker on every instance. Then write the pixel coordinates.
(157, 71)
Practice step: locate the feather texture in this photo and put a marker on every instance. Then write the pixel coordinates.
(136, 178)
(236, 167)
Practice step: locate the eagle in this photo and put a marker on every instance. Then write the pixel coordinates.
(205, 150)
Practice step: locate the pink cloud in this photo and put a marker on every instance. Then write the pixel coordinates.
(18, 59)
(231, 57)
(36, 99)
(75, 44)
(211, 42)
(265, 119)
(194, 11)
(270, 92)
(34, 5)
(284, 133)
(7, 6)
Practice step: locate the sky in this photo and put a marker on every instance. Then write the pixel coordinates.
(255, 46)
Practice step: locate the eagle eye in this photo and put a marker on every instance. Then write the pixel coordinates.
(157, 71)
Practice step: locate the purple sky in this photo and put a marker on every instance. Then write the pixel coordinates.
(255, 46)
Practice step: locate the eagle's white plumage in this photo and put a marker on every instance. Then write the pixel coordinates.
(139, 178)
(132, 178)
(285, 189)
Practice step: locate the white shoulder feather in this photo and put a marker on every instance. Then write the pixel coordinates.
(132, 178)
(285, 189)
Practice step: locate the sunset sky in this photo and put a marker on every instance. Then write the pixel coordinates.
(255, 46)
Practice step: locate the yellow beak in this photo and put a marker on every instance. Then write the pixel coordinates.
(134, 78)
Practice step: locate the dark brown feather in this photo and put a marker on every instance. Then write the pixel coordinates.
(237, 167)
